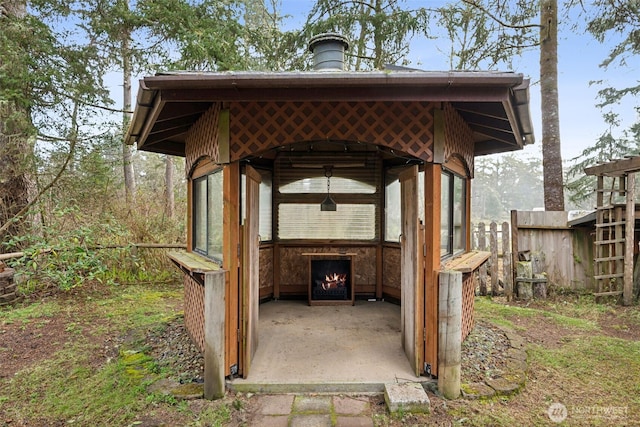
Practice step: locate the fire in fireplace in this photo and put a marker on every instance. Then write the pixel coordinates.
(330, 279)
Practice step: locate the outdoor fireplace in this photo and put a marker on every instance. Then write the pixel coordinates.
(330, 278)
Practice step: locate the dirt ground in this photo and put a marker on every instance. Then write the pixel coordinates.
(23, 345)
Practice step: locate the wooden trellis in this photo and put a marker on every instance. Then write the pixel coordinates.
(615, 223)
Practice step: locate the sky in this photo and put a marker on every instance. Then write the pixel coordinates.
(579, 56)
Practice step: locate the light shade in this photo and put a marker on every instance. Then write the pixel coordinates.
(328, 204)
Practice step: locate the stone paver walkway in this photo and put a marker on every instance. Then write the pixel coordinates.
(287, 410)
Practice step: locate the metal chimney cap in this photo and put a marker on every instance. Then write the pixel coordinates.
(328, 37)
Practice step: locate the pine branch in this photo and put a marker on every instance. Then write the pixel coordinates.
(73, 140)
(85, 103)
(497, 19)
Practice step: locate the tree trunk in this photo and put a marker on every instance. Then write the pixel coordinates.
(15, 149)
(169, 204)
(551, 154)
(127, 157)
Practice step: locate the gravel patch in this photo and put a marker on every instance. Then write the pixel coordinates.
(484, 353)
(172, 348)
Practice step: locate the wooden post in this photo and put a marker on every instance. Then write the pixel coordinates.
(540, 286)
(482, 276)
(482, 246)
(514, 247)
(449, 333)
(433, 204)
(630, 220)
(214, 334)
(506, 262)
(524, 288)
(493, 242)
(482, 237)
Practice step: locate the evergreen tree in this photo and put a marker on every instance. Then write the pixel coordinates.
(379, 30)
(607, 147)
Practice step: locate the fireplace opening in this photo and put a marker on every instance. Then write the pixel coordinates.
(331, 279)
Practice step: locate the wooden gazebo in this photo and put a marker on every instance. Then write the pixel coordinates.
(393, 150)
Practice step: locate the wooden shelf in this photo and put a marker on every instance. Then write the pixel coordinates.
(193, 262)
(468, 262)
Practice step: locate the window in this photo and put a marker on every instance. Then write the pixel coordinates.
(265, 220)
(453, 214)
(392, 204)
(307, 221)
(207, 215)
(318, 184)
(392, 208)
(301, 184)
(265, 206)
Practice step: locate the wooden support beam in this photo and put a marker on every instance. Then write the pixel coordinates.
(231, 257)
(433, 207)
(450, 333)
(627, 295)
(214, 334)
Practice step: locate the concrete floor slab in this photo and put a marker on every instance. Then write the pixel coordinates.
(345, 349)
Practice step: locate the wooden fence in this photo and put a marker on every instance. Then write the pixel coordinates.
(497, 273)
(563, 253)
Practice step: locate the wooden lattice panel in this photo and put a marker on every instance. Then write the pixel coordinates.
(468, 298)
(194, 311)
(458, 137)
(406, 127)
(202, 139)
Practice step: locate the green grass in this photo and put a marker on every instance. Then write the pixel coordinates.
(213, 416)
(68, 389)
(601, 361)
(139, 306)
(571, 322)
(501, 315)
(78, 384)
(588, 369)
(27, 313)
(486, 306)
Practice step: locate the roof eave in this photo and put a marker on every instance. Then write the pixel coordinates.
(411, 86)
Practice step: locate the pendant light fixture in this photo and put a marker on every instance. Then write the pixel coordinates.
(328, 204)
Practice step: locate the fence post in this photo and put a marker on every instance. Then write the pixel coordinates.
(214, 340)
(449, 333)
(493, 242)
(482, 237)
(506, 261)
(482, 246)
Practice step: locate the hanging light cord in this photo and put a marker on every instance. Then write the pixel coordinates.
(328, 173)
